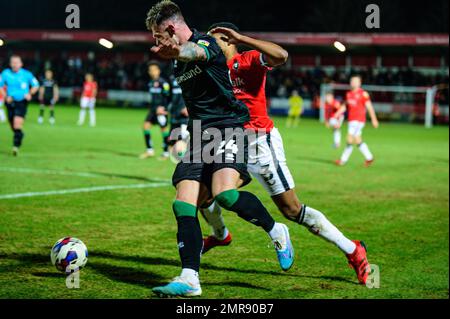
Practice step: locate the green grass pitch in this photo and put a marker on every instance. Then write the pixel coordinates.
(399, 207)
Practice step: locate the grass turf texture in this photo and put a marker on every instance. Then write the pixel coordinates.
(399, 207)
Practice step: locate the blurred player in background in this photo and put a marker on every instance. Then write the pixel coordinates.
(88, 99)
(295, 109)
(357, 102)
(248, 72)
(20, 85)
(159, 90)
(179, 119)
(48, 96)
(2, 111)
(332, 106)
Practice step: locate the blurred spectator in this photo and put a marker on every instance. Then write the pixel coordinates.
(116, 73)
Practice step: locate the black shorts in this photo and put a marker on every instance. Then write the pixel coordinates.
(160, 120)
(48, 102)
(17, 108)
(202, 161)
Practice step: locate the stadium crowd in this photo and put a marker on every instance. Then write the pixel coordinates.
(117, 73)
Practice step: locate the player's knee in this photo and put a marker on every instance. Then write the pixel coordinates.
(18, 124)
(227, 199)
(184, 209)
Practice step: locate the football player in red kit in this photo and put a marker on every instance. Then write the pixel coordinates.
(357, 101)
(88, 99)
(248, 71)
(332, 106)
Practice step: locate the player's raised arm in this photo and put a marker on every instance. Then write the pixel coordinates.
(274, 55)
(170, 49)
(172, 34)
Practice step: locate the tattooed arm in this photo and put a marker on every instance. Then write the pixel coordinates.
(189, 51)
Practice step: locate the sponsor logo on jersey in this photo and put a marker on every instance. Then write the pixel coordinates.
(203, 42)
(238, 82)
(189, 75)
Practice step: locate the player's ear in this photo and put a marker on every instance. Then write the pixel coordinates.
(171, 30)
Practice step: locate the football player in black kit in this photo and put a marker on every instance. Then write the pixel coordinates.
(159, 90)
(201, 70)
(48, 96)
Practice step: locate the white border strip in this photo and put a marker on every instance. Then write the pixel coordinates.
(83, 190)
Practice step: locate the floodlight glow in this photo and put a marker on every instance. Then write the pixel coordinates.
(2, 42)
(341, 47)
(106, 43)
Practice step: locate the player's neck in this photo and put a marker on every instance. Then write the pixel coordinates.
(230, 52)
(184, 34)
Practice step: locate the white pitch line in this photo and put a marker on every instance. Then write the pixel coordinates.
(63, 173)
(46, 171)
(83, 190)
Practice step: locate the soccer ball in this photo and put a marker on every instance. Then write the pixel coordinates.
(69, 254)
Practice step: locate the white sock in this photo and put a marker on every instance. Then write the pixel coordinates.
(365, 151)
(82, 116)
(277, 234)
(92, 117)
(191, 276)
(213, 215)
(2, 115)
(347, 152)
(337, 137)
(318, 224)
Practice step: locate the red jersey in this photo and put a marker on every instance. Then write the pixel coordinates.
(89, 89)
(331, 108)
(248, 74)
(356, 105)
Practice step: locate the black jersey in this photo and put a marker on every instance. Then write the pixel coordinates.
(159, 93)
(48, 86)
(177, 103)
(207, 88)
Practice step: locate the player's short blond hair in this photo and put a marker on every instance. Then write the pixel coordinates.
(161, 12)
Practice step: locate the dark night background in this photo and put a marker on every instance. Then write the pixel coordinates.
(262, 15)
